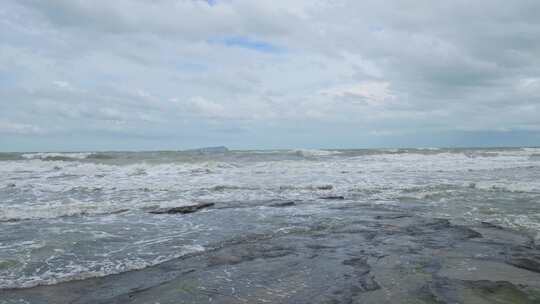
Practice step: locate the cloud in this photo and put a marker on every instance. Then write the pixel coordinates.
(7, 127)
(274, 68)
(187, 18)
(370, 92)
(530, 86)
(207, 108)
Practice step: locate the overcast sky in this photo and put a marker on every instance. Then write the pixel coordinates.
(176, 74)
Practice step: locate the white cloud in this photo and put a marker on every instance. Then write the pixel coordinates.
(61, 84)
(207, 108)
(530, 86)
(370, 92)
(374, 66)
(7, 127)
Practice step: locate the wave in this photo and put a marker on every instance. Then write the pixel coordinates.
(56, 156)
(534, 157)
(72, 207)
(56, 209)
(81, 272)
(314, 153)
(67, 156)
(431, 192)
(515, 187)
(429, 188)
(262, 155)
(100, 156)
(143, 197)
(532, 150)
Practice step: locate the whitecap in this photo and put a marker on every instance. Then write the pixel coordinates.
(73, 272)
(57, 156)
(315, 153)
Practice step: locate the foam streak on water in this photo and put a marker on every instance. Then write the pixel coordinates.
(67, 216)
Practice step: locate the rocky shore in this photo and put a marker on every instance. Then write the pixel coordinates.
(359, 253)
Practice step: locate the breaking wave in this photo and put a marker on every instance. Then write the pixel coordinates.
(92, 270)
(56, 156)
(71, 207)
(516, 187)
(314, 153)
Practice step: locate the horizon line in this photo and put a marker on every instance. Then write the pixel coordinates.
(235, 149)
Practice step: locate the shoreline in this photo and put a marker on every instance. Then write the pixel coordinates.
(383, 256)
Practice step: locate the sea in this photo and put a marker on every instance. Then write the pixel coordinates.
(74, 216)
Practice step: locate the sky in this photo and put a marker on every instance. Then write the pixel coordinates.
(263, 74)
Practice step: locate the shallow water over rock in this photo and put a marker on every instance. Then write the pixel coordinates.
(370, 255)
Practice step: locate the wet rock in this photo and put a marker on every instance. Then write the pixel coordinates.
(491, 225)
(282, 204)
(426, 295)
(224, 259)
(359, 263)
(438, 224)
(482, 291)
(502, 291)
(529, 263)
(391, 216)
(182, 209)
(11, 220)
(333, 197)
(437, 227)
(369, 284)
(366, 281)
(369, 255)
(496, 234)
(467, 233)
(248, 252)
(319, 246)
(325, 187)
(427, 226)
(119, 211)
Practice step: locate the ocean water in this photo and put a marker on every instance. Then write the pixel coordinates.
(70, 216)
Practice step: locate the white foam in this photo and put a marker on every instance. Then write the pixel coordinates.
(531, 150)
(315, 153)
(102, 268)
(73, 207)
(52, 155)
(509, 186)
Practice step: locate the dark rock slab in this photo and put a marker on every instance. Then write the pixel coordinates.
(333, 197)
(325, 187)
(440, 229)
(444, 290)
(119, 211)
(531, 263)
(248, 252)
(282, 204)
(491, 225)
(391, 216)
(182, 209)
